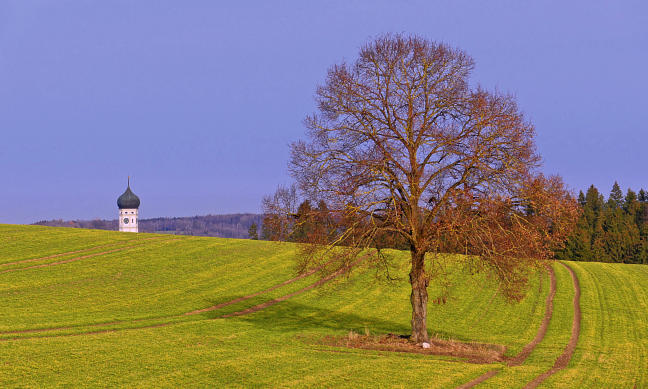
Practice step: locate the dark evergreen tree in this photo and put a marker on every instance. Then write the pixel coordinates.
(630, 203)
(252, 232)
(643, 196)
(592, 212)
(641, 218)
(616, 196)
(594, 199)
(581, 198)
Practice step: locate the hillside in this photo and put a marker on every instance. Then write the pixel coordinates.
(103, 308)
(223, 226)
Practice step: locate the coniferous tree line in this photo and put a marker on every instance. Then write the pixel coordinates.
(612, 230)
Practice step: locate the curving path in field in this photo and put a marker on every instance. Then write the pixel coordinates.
(269, 303)
(72, 259)
(75, 251)
(203, 310)
(542, 331)
(526, 351)
(480, 379)
(563, 360)
(249, 296)
(246, 311)
(61, 254)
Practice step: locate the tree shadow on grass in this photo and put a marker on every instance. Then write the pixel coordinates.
(290, 316)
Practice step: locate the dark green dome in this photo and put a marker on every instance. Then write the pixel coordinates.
(128, 199)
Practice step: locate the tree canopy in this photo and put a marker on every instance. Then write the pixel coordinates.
(402, 145)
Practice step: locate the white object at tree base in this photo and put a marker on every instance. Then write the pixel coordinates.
(425, 345)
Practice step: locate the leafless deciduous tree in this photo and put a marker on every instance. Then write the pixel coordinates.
(278, 211)
(403, 146)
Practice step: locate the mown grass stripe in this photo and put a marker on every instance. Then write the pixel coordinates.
(156, 283)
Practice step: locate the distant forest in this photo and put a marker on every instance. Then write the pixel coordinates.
(224, 226)
(612, 230)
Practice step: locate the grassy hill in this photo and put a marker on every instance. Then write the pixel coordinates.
(101, 308)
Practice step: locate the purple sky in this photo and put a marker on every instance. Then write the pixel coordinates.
(199, 100)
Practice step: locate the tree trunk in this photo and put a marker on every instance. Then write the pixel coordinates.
(419, 297)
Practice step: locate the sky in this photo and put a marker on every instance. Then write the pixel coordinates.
(198, 101)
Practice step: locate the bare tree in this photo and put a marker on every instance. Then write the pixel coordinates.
(278, 211)
(402, 145)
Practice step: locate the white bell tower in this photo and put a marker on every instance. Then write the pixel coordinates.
(128, 204)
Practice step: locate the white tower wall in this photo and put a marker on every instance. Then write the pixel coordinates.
(128, 220)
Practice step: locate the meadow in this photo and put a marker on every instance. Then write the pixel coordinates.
(100, 308)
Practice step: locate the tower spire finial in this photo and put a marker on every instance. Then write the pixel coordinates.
(129, 181)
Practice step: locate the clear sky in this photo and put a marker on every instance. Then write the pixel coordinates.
(198, 100)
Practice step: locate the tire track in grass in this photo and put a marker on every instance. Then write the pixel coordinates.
(542, 331)
(61, 254)
(116, 322)
(249, 296)
(208, 309)
(480, 379)
(62, 328)
(563, 359)
(90, 333)
(272, 302)
(255, 308)
(528, 349)
(77, 258)
(66, 260)
(71, 327)
(75, 251)
(82, 326)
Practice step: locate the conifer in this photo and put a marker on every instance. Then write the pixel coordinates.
(252, 232)
(643, 196)
(616, 195)
(630, 203)
(581, 198)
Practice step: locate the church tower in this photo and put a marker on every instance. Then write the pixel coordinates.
(128, 204)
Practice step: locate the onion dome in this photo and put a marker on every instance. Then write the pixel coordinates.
(128, 199)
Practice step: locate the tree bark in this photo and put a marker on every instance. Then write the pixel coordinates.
(419, 297)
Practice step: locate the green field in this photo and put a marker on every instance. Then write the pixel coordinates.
(109, 309)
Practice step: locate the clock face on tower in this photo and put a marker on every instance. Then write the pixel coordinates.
(125, 220)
